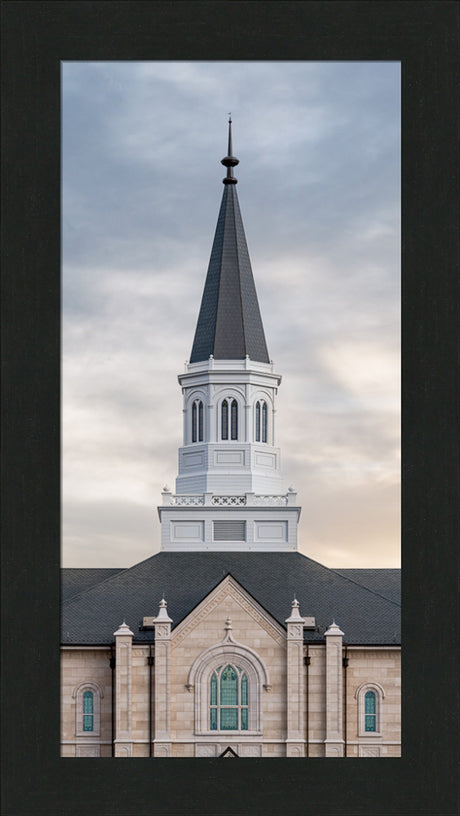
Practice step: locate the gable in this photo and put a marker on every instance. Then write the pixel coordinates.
(228, 596)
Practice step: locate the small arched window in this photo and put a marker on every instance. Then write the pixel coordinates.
(87, 698)
(229, 699)
(370, 698)
(224, 420)
(261, 421)
(197, 421)
(88, 711)
(234, 420)
(264, 422)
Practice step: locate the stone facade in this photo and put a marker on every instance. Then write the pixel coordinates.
(163, 709)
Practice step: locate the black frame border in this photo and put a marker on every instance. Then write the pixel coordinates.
(36, 37)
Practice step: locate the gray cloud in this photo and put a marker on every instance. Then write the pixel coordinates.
(319, 192)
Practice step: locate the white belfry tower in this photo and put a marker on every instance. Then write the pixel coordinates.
(229, 490)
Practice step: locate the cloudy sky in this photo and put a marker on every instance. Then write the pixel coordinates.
(318, 185)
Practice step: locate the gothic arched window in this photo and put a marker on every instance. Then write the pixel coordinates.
(229, 699)
(264, 422)
(234, 419)
(197, 421)
(224, 420)
(261, 421)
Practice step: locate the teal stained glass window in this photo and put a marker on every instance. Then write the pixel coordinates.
(229, 719)
(228, 687)
(244, 690)
(369, 711)
(213, 690)
(225, 419)
(228, 699)
(88, 711)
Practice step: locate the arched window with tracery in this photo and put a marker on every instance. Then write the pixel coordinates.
(197, 421)
(228, 680)
(229, 699)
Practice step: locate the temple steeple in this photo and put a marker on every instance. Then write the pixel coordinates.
(229, 323)
(229, 489)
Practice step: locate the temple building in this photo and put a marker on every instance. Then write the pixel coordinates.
(230, 642)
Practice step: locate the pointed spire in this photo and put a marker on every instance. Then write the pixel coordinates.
(229, 325)
(230, 161)
(162, 616)
(295, 613)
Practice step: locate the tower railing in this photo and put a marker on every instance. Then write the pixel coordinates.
(213, 500)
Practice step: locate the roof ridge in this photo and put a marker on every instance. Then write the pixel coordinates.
(368, 589)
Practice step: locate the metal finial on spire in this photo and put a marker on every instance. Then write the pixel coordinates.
(230, 161)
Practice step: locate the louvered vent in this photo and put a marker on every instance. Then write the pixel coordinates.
(229, 531)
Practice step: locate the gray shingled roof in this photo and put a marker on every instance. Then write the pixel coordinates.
(78, 579)
(386, 582)
(229, 323)
(364, 614)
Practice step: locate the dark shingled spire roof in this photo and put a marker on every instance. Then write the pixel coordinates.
(229, 324)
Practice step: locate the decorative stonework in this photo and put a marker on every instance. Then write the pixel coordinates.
(228, 501)
(87, 750)
(204, 750)
(242, 658)
(369, 751)
(162, 749)
(187, 501)
(245, 750)
(122, 750)
(228, 589)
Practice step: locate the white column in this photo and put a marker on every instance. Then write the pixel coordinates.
(123, 690)
(334, 728)
(162, 740)
(295, 692)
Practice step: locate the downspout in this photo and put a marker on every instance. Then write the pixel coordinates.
(345, 666)
(307, 663)
(112, 666)
(150, 661)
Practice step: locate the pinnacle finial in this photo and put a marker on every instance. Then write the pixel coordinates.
(230, 161)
